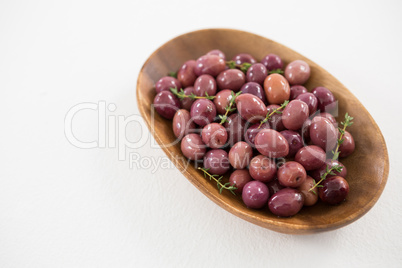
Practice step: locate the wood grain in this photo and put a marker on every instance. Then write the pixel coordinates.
(367, 167)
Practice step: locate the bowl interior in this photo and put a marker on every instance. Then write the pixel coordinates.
(367, 167)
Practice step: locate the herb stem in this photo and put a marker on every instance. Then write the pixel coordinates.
(276, 71)
(172, 74)
(243, 67)
(181, 95)
(221, 186)
(337, 168)
(202, 97)
(346, 123)
(229, 107)
(275, 111)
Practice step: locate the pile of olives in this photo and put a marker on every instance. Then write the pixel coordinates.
(256, 121)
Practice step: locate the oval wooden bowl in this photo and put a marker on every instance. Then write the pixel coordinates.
(367, 167)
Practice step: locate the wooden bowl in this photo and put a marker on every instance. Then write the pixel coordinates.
(367, 167)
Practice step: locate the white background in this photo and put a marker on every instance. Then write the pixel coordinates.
(62, 206)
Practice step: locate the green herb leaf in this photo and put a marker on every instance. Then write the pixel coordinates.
(276, 71)
(336, 155)
(220, 186)
(277, 110)
(172, 74)
(245, 66)
(231, 64)
(181, 95)
(346, 123)
(229, 108)
(328, 171)
(223, 119)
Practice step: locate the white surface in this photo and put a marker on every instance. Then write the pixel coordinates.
(62, 206)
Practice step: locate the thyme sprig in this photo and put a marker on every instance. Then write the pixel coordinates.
(348, 122)
(181, 95)
(172, 74)
(276, 111)
(276, 71)
(243, 67)
(328, 171)
(221, 186)
(229, 108)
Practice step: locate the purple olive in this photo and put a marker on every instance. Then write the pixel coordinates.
(167, 82)
(254, 89)
(323, 133)
(310, 100)
(271, 143)
(186, 74)
(239, 178)
(295, 141)
(232, 79)
(257, 73)
(311, 157)
(218, 53)
(286, 202)
(272, 62)
(329, 163)
(262, 168)
(216, 161)
(205, 84)
(255, 194)
(166, 104)
(235, 127)
(274, 186)
(296, 90)
(214, 135)
(330, 117)
(326, 100)
(250, 107)
(209, 64)
(334, 190)
(203, 112)
(240, 155)
(310, 197)
(297, 72)
(253, 130)
(182, 123)
(291, 174)
(222, 100)
(243, 58)
(347, 147)
(294, 114)
(275, 121)
(187, 102)
(305, 131)
(192, 147)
